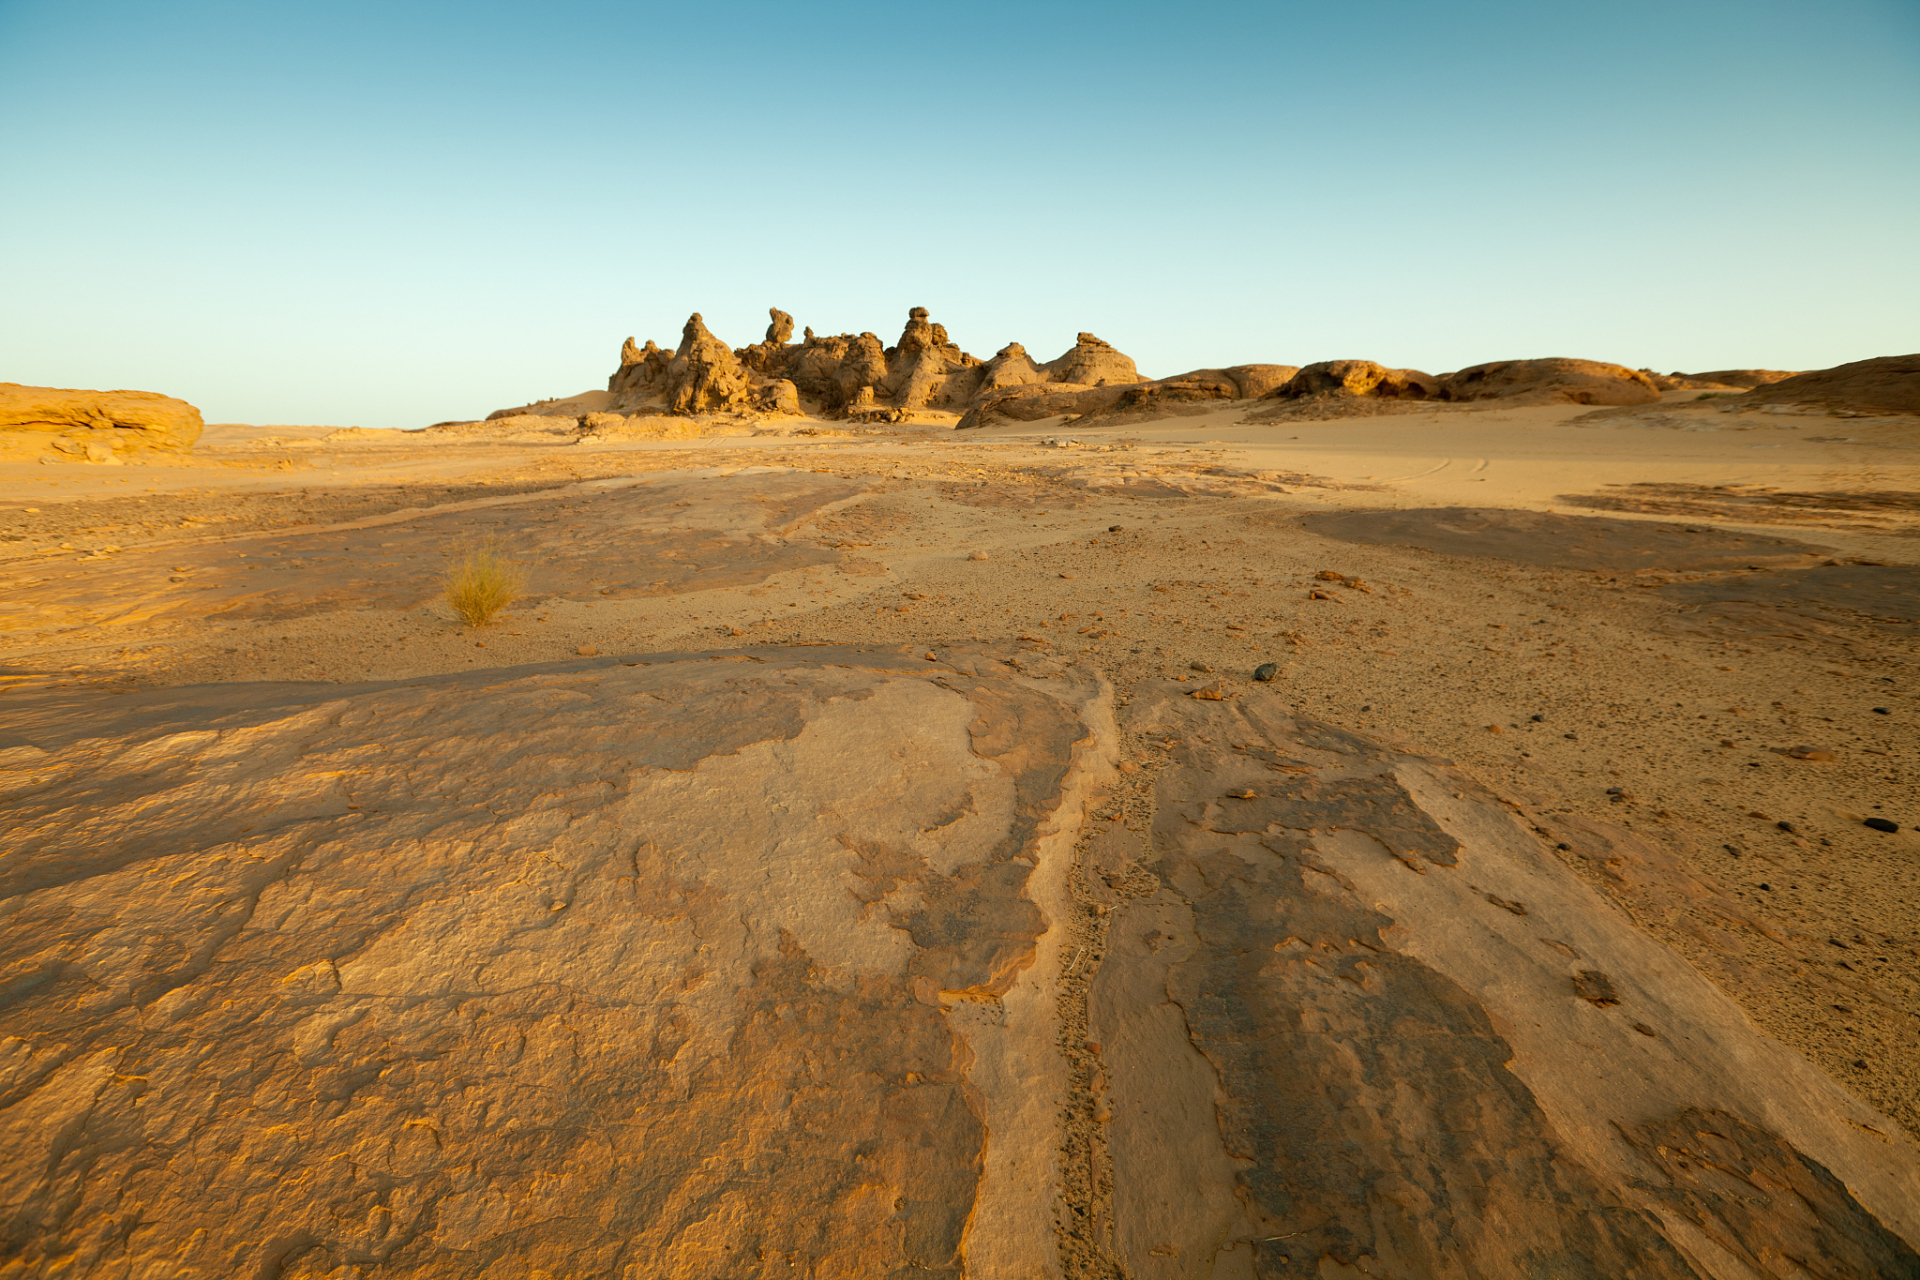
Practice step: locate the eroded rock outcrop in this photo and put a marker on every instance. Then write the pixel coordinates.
(1550, 381)
(93, 426)
(1357, 378)
(1717, 379)
(1092, 363)
(703, 376)
(642, 371)
(1885, 384)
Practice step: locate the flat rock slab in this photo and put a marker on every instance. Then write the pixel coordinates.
(705, 966)
(1359, 1020)
(664, 536)
(1883, 593)
(1558, 542)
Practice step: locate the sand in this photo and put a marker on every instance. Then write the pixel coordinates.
(1693, 721)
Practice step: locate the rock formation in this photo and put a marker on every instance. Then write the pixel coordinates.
(93, 426)
(643, 370)
(1886, 384)
(1550, 381)
(1092, 363)
(1716, 379)
(780, 329)
(704, 375)
(1357, 378)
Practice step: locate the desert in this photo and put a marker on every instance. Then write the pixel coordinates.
(922, 814)
(973, 642)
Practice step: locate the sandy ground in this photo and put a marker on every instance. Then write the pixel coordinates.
(1741, 721)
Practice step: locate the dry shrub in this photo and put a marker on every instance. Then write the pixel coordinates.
(480, 584)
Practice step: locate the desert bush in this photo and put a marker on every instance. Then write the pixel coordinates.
(480, 584)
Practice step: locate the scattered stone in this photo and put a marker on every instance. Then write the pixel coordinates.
(587, 651)
(1318, 595)
(1113, 528)
(1538, 719)
(978, 555)
(1207, 693)
(1267, 671)
(1785, 826)
(1201, 667)
(1069, 575)
(1646, 1030)
(1881, 824)
(1245, 793)
(1883, 711)
(1804, 753)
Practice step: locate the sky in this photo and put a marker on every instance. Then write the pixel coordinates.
(396, 213)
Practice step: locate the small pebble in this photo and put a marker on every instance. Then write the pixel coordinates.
(1201, 667)
(1881, 824)
(1883, 711)
(1113, 528)
(978, 555)
(587, 651)
(1538, 719)
(1785, 826)
(1267, 671)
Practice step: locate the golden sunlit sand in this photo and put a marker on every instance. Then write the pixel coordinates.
(1153, 837)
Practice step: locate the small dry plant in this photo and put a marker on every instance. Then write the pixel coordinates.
(480, 583)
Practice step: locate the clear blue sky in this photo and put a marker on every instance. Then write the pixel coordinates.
(394, 213)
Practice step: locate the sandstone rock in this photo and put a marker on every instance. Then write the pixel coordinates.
(1009, 367)
(1091, 363)
(589, 969)
(94, 426)
(1716, 379)
(1199, 391)
(780, 329)
(642, 371)
(1889, 384)
(703, 376)
(1034, 402)
(1356, 378)
(778, 396)
(1251, 381)
(1550, 381)
(923, 363)
(1330, 929)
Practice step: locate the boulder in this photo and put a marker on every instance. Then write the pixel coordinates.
(704, 375)
(1884, 384)
(1550, 381)
(1091, 363)
(781, 328)
(1356, 378)
(94, 426)
(777, 396)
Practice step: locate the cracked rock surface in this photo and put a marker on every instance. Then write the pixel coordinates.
(692, 966)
